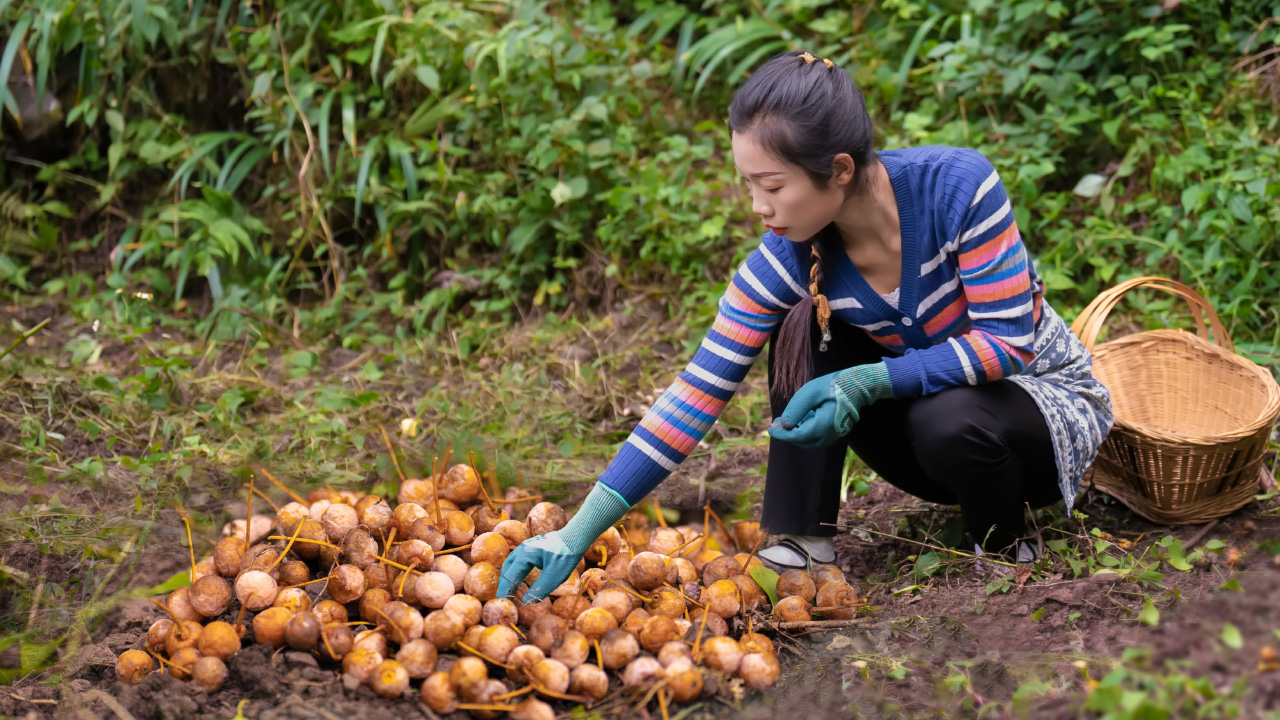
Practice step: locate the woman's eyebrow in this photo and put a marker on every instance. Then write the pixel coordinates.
(759, 175)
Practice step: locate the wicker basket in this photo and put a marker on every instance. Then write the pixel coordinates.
(1192, 418)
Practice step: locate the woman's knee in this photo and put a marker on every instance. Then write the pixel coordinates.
(954, 426)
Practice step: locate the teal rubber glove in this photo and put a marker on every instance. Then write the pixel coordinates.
(825, 408)
(557, 553)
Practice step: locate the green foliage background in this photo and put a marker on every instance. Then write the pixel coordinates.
(511, 155)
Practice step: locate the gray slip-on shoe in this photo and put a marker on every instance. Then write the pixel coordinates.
(794, 552)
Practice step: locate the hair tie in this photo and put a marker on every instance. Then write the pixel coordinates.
(808, 58)
(822, 307)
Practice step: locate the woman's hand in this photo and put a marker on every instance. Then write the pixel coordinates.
(825, 408)
(547, 552)
(557, 553)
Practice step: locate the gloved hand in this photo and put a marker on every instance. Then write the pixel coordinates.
(825, 408)
(557, 553)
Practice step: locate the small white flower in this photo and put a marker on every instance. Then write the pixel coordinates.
(409, 427)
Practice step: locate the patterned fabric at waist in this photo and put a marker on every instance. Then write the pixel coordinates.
(1075, 404)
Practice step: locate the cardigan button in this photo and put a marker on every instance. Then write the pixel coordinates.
(906, 321)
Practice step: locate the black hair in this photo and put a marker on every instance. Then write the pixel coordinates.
(805, 111)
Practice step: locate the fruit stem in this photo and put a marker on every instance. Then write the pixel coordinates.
(699, 536)
(191, 545)
(526, 498)
(724, 529)
(746, 567)
(494, 488)
(404, 576)
(522, 635)
(482, 656)
(435, 488)
(248, 521)
(325, 639)
(394, 461)
(396, 565)
(262, 495)
(309, 582)
(285, 552)
(435, 480)
(697, 643)
(662, 703)
(167, 611)
(296, 497)
(480, 479)
(513, 693)
(706, 525)
(394, 624)
(306, 540)
(164, 662)
(561, 696)
(633, 592)
(389, 540)
(627, 539)
(657, 510)
(595, 642)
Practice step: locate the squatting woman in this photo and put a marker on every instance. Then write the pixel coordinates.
(905, 321)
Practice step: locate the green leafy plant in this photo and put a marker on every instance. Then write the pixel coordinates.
(494, 157)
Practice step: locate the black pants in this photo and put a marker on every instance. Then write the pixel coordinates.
(986, 448)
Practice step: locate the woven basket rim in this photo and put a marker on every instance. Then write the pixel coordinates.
(1265, 381)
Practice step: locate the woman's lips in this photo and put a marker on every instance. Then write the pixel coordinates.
(777, 230)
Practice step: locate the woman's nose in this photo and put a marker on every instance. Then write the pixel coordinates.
(761, 208)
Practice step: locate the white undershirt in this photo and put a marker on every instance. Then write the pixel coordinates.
(892, 298)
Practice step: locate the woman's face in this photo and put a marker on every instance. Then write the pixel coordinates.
(783, 196)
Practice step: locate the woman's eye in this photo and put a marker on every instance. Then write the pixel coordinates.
(773, 191)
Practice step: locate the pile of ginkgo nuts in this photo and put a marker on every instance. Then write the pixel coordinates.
(404, 585)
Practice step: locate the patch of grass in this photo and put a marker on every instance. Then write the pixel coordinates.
(1130, 687)
(82, 564)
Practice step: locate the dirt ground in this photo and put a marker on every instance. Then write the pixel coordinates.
(998, 641)
(1000, 632)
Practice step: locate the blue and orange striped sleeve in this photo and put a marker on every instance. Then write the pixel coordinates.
(764, 287)
(995, 276)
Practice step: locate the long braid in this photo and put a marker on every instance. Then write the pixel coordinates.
(822, 308)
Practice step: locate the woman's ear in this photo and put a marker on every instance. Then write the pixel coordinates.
(842, 169)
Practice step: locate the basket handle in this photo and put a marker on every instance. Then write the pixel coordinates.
(1089, 323)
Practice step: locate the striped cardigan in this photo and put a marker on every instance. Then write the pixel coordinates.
(968, 307)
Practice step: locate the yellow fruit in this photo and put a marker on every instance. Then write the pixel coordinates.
(792, 609)
(209, 673)
(132, 666)
(796, 583)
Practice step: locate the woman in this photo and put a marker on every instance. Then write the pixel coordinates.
(915, 333)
